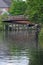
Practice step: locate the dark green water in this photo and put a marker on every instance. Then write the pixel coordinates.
(20, 48)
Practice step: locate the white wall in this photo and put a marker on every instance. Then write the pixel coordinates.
(3, 11)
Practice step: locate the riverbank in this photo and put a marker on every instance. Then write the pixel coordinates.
(41, 38)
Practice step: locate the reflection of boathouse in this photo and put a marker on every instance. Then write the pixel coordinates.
(17, 22)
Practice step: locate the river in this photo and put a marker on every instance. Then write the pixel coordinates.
(20, 48)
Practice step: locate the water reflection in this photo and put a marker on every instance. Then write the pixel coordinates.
(36, 58)
(19, 48)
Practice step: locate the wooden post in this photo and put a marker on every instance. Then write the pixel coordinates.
(23, 27)
(3, 27)
(12, 26)
(8, 27)
(18, 27)
(15, 27)
(27, 27)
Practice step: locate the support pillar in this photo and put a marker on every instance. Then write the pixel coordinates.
(18, 27)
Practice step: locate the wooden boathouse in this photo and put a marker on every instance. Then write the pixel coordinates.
(16, 22)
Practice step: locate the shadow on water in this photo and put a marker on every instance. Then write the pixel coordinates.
(20, 48)
(36, 58)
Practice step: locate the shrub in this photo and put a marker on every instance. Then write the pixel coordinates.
(4, 16)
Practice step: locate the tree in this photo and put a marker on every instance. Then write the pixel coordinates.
(3, 17)
(35, 10)
(18, 7)
(35, 13)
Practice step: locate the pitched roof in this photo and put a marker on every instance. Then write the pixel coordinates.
(5, 3)
(8, 2)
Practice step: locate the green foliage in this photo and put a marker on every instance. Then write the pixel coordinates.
(36, 57)
(41, 38)
(18, 7)
(35, 10)
(2, 17)
(1, 27)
